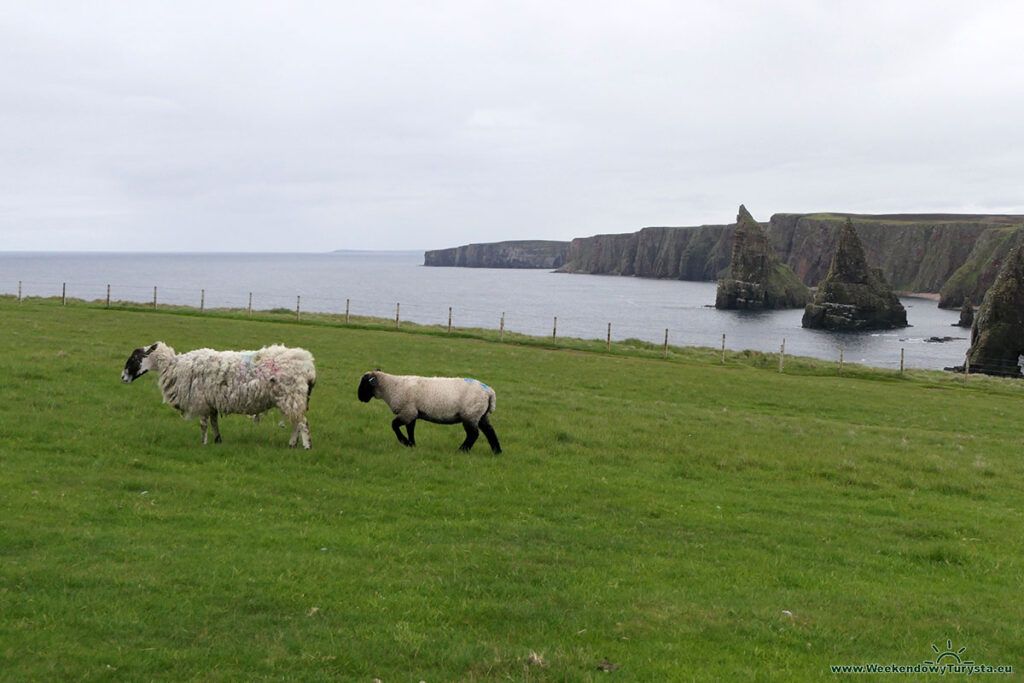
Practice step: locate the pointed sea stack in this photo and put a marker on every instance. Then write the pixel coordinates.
(853, 296)
(997, 337)
(757, 279)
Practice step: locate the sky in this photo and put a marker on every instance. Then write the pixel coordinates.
(306, 126)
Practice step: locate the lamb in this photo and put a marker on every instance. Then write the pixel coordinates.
(442, 400)
(205, 383)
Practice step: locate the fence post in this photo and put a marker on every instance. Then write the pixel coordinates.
(967, 368)
(202, 300)
(250, 304)
(665, 349)
(901, 361)
(608, 341)
(19, 291)
(723, 349)
(346, 311)
(782, 353)
(398, 323)
(554, 331)
(501, 330)
(154, 297)
(297, 300)
(108, 296)
(64, 294)
(842, 348)
(449, 320)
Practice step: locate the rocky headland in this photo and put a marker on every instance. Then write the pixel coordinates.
(997, 336)
(548, 254)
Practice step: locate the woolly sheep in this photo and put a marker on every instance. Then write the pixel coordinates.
(205, 383)
(442, 400)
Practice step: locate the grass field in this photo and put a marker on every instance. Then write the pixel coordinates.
(649, 520)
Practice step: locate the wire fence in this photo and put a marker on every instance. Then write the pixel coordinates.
(891, 355)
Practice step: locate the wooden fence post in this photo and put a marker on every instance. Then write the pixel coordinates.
(154, 297)
(901, 361)
(64, 294)
(723, 349)
(554, 331)
(665, 348)
(202, 300)
(782, 353)
(501, 330)
(250, 304)
(346, 310)
(608, 341)
(449, 320)
(297, 300)
(108, 296)
(398, 323)
(19, 291)
(967, 368)
(842, 349)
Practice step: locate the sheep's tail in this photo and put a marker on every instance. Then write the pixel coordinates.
(492, 401)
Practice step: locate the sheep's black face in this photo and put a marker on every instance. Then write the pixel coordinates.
(367, 387)
(137, 364)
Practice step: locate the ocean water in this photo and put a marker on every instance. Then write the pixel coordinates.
(378, 283)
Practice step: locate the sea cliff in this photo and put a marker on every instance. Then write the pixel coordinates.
(548, 254)
(915, 252)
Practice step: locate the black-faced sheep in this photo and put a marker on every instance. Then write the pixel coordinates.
(205, 383)
(443, 400)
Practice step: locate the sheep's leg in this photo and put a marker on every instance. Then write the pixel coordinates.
(411, 427)
(301, 429)
(202, 427)
(396, 425)
(471, 435)
(307, 442)
(492, 438)
(214, 427)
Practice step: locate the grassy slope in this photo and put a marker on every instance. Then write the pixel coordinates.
(656, 515)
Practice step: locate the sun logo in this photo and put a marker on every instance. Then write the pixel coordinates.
(948, 654)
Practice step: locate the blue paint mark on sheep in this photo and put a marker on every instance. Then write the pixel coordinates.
(470, 379)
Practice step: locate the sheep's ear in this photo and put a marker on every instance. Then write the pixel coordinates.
(152, 348)
(372, 380)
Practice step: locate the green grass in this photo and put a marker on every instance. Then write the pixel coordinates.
(679, 519)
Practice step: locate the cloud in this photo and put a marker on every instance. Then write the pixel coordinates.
(206, 126)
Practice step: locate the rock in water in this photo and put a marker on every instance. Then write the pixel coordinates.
(966, 314)
(997, 337)
(757, 279)
(853, 296)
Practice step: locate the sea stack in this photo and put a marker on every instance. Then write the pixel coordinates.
(997, 337)
(966, 314)
(757, 279)
(853, 296)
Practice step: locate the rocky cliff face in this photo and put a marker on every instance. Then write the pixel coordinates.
(853, 296)
(513, 254)
(756, 278)
(916, 253)
(697, 253)
(997, 337)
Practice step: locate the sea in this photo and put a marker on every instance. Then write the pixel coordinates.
(392, 284)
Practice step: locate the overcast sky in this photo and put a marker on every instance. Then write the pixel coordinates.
(226, 125)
